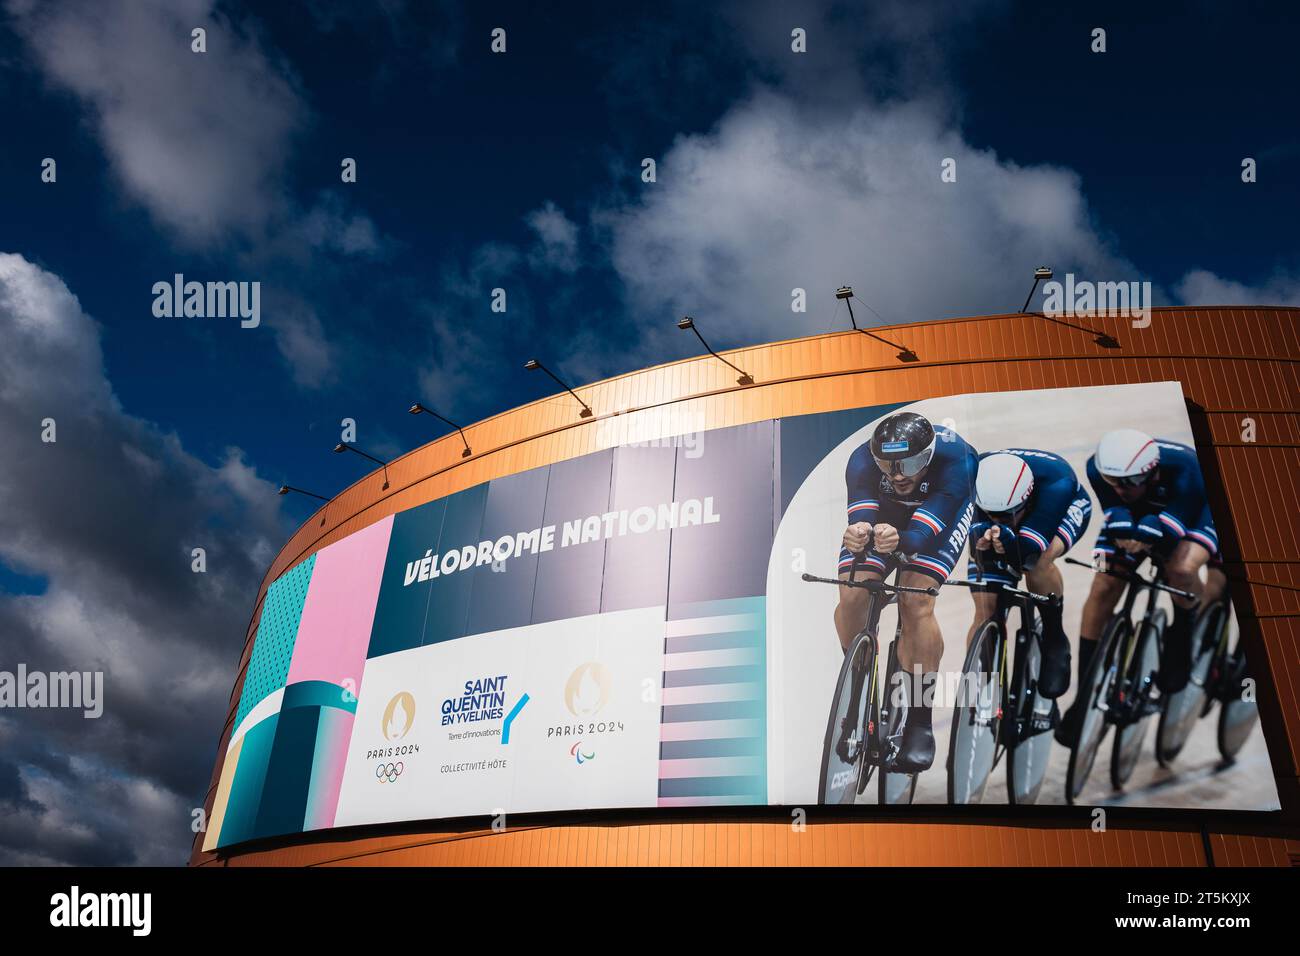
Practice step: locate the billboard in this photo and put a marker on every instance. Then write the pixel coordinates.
(636, 628)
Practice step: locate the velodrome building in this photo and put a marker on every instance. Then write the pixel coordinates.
(577, 634)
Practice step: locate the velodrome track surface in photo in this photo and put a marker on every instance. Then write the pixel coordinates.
(1196, 779)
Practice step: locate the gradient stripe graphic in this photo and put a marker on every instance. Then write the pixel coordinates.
(713, 724)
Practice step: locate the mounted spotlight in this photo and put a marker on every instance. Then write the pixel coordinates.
(417, 409)
(904, 353)
(285, 489)
(344, 446)
(687, 323)
(1042, 274)
(533, 365)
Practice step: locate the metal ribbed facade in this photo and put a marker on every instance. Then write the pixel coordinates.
(1234, 363)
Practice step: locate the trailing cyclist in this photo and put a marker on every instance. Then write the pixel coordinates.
(1030, 510)
(911, 487)
(1154, 502)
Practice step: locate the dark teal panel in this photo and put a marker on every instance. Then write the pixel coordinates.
(401, 608)
(288, 780)
(239, 823)
(449, 595)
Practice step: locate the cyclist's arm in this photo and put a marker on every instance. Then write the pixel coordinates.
(931, 520)
(1035, 534)
(1186, 502)
(861, 479)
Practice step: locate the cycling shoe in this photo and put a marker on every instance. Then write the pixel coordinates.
(1054, 670)
(916, 752)
(1067, 732)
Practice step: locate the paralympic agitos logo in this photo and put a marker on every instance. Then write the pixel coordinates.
(587, 693)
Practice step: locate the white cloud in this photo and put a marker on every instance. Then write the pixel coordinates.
(300, 336)
(1200, 287)
(557, 238)
(198, 138)
(778, 197)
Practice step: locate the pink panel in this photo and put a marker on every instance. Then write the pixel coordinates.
(340, 608)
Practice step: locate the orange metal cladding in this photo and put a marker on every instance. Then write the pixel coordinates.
(1234, 363)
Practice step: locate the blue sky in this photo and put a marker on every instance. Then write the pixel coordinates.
(521, 171)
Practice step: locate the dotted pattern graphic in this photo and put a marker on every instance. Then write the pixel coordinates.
(277, 631)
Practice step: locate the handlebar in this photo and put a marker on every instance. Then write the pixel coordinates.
(1008, 589)
(879, 587)
(1137, 579)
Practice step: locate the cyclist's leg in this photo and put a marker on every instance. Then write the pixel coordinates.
(921, 648)
(1098, 607)
(1045, 578)
(851, 611)
(985, 604)
(984, 566)
(1182, 570)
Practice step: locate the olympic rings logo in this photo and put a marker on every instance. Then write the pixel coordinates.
(388, 773)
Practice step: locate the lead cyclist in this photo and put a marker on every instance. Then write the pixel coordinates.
(911, 486)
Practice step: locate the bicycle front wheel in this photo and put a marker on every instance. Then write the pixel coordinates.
(1030, 746)
(1095, 691)
(1136, 684)
(845, 743)
(1181, 710)
(976, 716)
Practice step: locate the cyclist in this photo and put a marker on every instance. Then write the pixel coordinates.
(1154, 502)
(1029, 510)
(911, 487)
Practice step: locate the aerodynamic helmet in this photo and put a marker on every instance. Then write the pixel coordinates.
(1004, 483)
(1127, 455)
(903, 444)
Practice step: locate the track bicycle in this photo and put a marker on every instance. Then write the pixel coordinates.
(1218, 674)
(1119, 686)
(865, 728)
(995, 716)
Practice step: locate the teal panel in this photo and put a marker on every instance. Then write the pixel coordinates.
(250, 777)
(268, 667)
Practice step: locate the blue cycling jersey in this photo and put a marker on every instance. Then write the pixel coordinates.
(938, 504)
(1174, 503)
(1048, 514)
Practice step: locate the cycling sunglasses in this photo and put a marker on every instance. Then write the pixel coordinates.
(907, 467)
(1132, 481)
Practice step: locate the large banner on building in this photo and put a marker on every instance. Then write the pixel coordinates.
(633, 628)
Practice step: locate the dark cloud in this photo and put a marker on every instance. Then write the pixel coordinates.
(109, 514)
